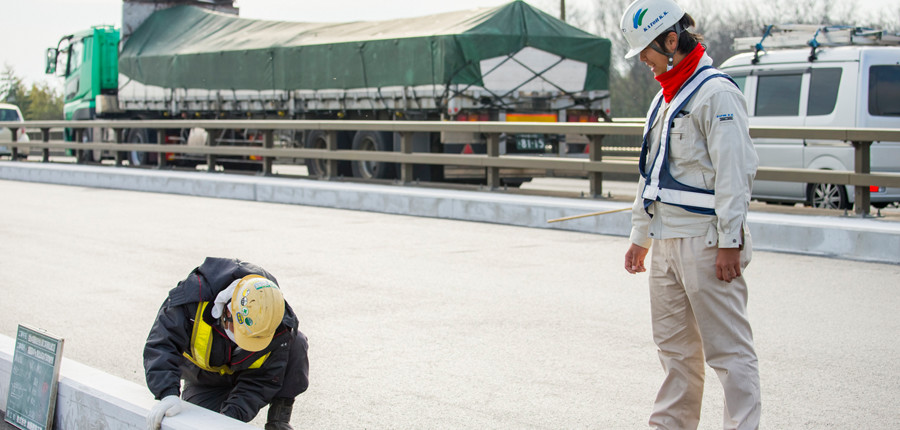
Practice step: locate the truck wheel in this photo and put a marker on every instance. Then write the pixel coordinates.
(141, 135)
(827, 196)
(315, 139)
(316, 166)
(366, 140)
(89, 156)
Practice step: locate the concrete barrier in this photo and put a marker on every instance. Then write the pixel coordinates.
(849, 238)
(90, 399)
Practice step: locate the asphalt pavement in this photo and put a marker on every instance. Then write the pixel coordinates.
(435, 323)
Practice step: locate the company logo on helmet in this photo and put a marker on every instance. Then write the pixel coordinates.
(639, 17)
(655, 21)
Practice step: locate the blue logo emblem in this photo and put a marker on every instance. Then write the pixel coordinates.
(639, 17)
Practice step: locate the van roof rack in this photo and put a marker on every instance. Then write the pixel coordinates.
(812, 36)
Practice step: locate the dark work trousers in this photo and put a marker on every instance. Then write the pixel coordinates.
(296, 380)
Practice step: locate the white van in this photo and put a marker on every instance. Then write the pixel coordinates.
(10, 112)
(840, 85)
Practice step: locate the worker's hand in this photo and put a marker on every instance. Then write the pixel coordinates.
(728, 264)
(169, 406)
(634, 259)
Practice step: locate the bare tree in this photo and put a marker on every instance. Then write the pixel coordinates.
(632, 86)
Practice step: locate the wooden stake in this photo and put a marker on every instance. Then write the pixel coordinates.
(587, 215)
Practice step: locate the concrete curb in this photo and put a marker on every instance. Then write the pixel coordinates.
(90, 399)
(855, 239)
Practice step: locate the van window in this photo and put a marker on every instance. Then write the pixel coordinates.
(884, 90)
(9, 115)
(778, 95)
(823, 90)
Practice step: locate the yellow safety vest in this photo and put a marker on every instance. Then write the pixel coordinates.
(201, 345)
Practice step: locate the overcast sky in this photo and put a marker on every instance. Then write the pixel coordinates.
(29, 27)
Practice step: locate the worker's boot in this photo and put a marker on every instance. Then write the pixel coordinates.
(279, 417)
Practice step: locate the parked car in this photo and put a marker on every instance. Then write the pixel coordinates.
(851, 82)
(10, 112)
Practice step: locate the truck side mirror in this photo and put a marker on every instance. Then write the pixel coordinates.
(50, 66)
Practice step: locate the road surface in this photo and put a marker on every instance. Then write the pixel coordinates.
(429, 323)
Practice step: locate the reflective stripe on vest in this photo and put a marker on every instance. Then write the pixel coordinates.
(201, 345)
(659, 184)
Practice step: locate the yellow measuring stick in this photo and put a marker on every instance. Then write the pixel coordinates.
(587, 215)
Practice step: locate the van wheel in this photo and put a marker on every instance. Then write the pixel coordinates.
(366, 140)
(827, 196)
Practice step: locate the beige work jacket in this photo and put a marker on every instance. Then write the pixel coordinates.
(710, 148)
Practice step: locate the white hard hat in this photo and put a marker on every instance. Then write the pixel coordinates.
(645, 19)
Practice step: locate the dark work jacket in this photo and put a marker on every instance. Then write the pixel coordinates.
(170, 337)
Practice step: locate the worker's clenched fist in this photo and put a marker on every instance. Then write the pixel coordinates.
(634, 259)
(167, 407)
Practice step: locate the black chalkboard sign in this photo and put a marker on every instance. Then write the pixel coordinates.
(32, 385)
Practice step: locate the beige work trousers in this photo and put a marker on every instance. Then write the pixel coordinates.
(694, 316)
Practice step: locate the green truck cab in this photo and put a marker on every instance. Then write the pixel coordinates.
(89, 62)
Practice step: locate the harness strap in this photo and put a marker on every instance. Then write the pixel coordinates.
(201, 346)
(659, 184)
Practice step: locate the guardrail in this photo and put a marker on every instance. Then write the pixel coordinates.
(592, 167)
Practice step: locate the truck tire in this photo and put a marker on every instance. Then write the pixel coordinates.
(366, 140)
(89, 156)
(142, 136)
(315, 139)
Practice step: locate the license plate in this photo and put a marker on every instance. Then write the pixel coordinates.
(529, 143)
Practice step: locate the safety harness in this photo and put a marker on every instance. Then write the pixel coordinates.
(659, 185)
(201, 345)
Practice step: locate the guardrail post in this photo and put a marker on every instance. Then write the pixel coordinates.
(45, 152)
(268, 143)
(331, 165)
(595, 153)
(118, 136)
(160, 140)
(14, 150)
(210, 158)
(79, 153)
(862, 197)
(493, 151)
(406, 169)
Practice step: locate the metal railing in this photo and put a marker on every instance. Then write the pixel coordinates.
(593, 167)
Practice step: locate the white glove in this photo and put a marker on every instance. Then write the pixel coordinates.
(169, 406)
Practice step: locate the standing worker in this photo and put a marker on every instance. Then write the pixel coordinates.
(227, 331)
(697, 167)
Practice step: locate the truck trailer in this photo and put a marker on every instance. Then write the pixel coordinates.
(199, 59)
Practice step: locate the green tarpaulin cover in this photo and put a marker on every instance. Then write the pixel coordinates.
(190, 47)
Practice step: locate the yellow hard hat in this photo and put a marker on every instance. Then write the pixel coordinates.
(257, 308)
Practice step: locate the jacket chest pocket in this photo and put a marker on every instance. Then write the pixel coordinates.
(687, 154)
(683, 140)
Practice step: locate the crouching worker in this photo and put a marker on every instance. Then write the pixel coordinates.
(228, 333)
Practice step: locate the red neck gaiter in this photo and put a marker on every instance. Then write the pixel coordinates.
(672, 80)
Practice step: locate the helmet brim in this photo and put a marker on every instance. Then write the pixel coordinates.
(633, 52)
